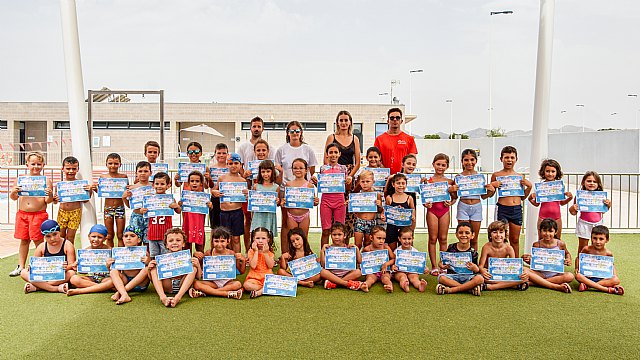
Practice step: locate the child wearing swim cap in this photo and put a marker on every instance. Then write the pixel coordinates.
(91, 282)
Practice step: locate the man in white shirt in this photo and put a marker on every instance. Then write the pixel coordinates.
(246, 148)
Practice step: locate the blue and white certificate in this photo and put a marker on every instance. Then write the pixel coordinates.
(549, 191)
(305, 267)
(435, 192)
(409, 261)
(510, 186)
(551, 260)
(279, 285)
(372, 261)
(217, 172)
(174, 264)
(340, 258)
(93, 260)
(232, 191)
(262, 201)
(363, 202)
(457, 261)
(219, 267)
(597, 266)
(184, 168)
(591, 201)
(298, 197)
(71, 191)
(331, 183)
(505, 269)
(49, 268)
(129, 258)
(195, 202)
(32, 186)
(138, 194)
(470, 185)
(112, 188)
(254, 166)
(158, 205)
(413, 182)
(398, 216)
(158, 167)
(380, 176)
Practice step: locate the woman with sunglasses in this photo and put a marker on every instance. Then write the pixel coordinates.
(294, 148)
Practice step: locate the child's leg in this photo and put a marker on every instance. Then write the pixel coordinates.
(200, 247)
(235, 244)
(254, 286)
(328, 275)
(247, 230)
(80, 281)
(559, 233)
(108, 222)
(582, 242)
(539, 280)
(420, 284)
(49, 286)
(443, 230)
(355, 275)
(105, 285)
(514, 237)
(358, 237)
(23, 252)
(159, 285)
(565, 277)
(325, 237)
(210, 288)
(120, 224)
(455, 286)
(499, 285)
(475, 225)
(286, 225)
(432, 227)
(185, 285)
(402, 279)
(141, 278)
(367, 242)
(71, 234)
(385, 279)
(602, 285)
(304, 225)
(370, 280)
(119, 280)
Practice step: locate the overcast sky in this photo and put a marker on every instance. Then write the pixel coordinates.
(339, 52)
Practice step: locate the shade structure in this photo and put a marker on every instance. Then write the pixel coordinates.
(202, 128)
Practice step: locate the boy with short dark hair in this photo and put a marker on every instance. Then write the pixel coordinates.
(231, 214)
(599, 239)
(151, 151)
(452, 282)
(70, 213)
(158, 225)
(114, 211)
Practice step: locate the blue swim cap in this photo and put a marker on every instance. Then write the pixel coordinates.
(134, 229)
(100, 229)
(49, 226)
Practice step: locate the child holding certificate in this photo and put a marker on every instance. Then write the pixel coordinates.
(405, 280)
(70, 213)
(231, 214)
(32, 211)
(194, 152)
(550, 171)
(261, 261)
(297, 217)
(174, 240)
(126, 281)
(510, 207)
(298, 248)
(218, 166)
(158, 225)
(335, 277)
(114, 212)
(266, 181)
(137, 220)
(365, 221)
(547, 230)
(599, 240)
(53, 245)
(451, 282)
(438, 214)
(587, 220)
(378, 237)
(95, 281)
(396, 197)
(333, 207)
(227, 288)
(192, 222)
(498, 247)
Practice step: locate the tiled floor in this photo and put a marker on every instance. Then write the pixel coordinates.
(8, 245)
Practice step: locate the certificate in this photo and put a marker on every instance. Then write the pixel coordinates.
(49, 268)
(158, 167)
(380, 176)
(470, 185)
(217, 172)
(510, 186)
(505, 269)
(596, 266)
(71, 191)
(332, 183)
(364, 202)
(340, 258)
(32, 186)
(305, 267)
(413, 182)
(232, 192)
(398, 216)
(195, 202)
(129, 258)
(592, 201)
(219, 267)
(549, 191)
(254, 167)
(158, 205)
(279, 285)
(174, 264)
(138, 194)
(372, 261)
(262, 201)
(410, 261)
(435, 192)
(92, 261)
(298, 198)
(457, 261)
(551, 260)
(184, 168)
(112, 188)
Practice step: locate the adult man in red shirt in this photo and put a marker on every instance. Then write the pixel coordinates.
(395, 143)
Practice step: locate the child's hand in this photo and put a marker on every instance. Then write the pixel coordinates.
(254, 246)
(496, 184)
(527, 258)
(247, 174)
(568, 195)
(16, 190)
(378, 203)
(174, 205)
(428, 205)
(216, 193)
(382, 217)
(325, 247)
(245, 192)
(567, 261)
(209, 204)
(394, 267)
(73, 266)
(574, 207)
(110, 262)
(195, 262)
(198, 255)
(180, 203)
(473, 267)
(524, 276)
(239, 256)
(127, 194)
(56, 199)
(48, 191)
(490, 188)
(286, 257)
(453, 188)
(176, 177)
(207, 176)
(485, 274)
(348, 180)
(316, 201)
(445, 266)
(145, 259)
(606, 202)
(143, 211)
(152, 264)
(349, 246)
(314, 180)
(94, 187)
(447, 203)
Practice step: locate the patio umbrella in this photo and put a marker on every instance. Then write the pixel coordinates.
(202, 128)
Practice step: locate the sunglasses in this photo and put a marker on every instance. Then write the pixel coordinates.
(191, 152)
(50, 231)
(395, 118)
(296, 131)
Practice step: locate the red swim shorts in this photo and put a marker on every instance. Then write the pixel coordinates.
(28, 225)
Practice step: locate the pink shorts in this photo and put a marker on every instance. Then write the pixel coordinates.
(332, 209)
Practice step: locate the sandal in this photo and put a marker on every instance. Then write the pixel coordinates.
(63, 288)
(619, 290)
(434, 272)
(29, 287)
(523, 286)
(235, 294)
(329, 285)
(477, 291)
(354, 285)
(567, 288)
(254, 294)
(484, 287)
(583, 287)
(193, 293)
(441, 289)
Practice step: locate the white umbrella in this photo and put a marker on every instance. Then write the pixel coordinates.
(202, 128)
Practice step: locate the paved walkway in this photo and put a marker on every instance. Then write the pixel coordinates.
(9, 245)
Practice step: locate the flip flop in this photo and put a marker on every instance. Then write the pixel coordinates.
(29, 288)
(63, 288)
(441, 289)
(193, 293)
(524, 286)
(253, 294)
(434, 272)
(567, 288)
(583, 287)
(235, 294)
(477, 290)
(619, 290)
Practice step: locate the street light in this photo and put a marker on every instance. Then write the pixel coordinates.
(582, 114)
(505, 12)
(638, 110)
(450, 101)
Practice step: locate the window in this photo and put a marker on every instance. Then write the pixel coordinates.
(3, 124)
(134, 125)
(381, 128)
(282, 125)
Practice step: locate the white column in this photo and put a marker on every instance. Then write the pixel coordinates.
(77, 108)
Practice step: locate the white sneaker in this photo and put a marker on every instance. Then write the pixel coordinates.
(16, 271)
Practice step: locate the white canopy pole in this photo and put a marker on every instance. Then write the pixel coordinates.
(539, 140)
(77, 108)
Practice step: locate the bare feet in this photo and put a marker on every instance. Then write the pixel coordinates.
(306, 283)
(115, 296)
(423, 285)
(123, 299)
(388, 288)
(364, 287)
(72, 292)
(166, 301)
(405, 286)
(29, 287)
(174, 301)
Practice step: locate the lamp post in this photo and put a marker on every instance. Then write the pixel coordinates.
(581, 106)
(638, 110)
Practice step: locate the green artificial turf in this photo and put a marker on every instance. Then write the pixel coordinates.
(333, 324)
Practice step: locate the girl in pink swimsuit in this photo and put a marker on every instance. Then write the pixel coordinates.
(550, 171)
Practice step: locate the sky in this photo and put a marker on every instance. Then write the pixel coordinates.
(345, 51)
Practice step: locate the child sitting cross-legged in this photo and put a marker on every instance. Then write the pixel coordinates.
(344, 278)
(94, 282)
(451, 282)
